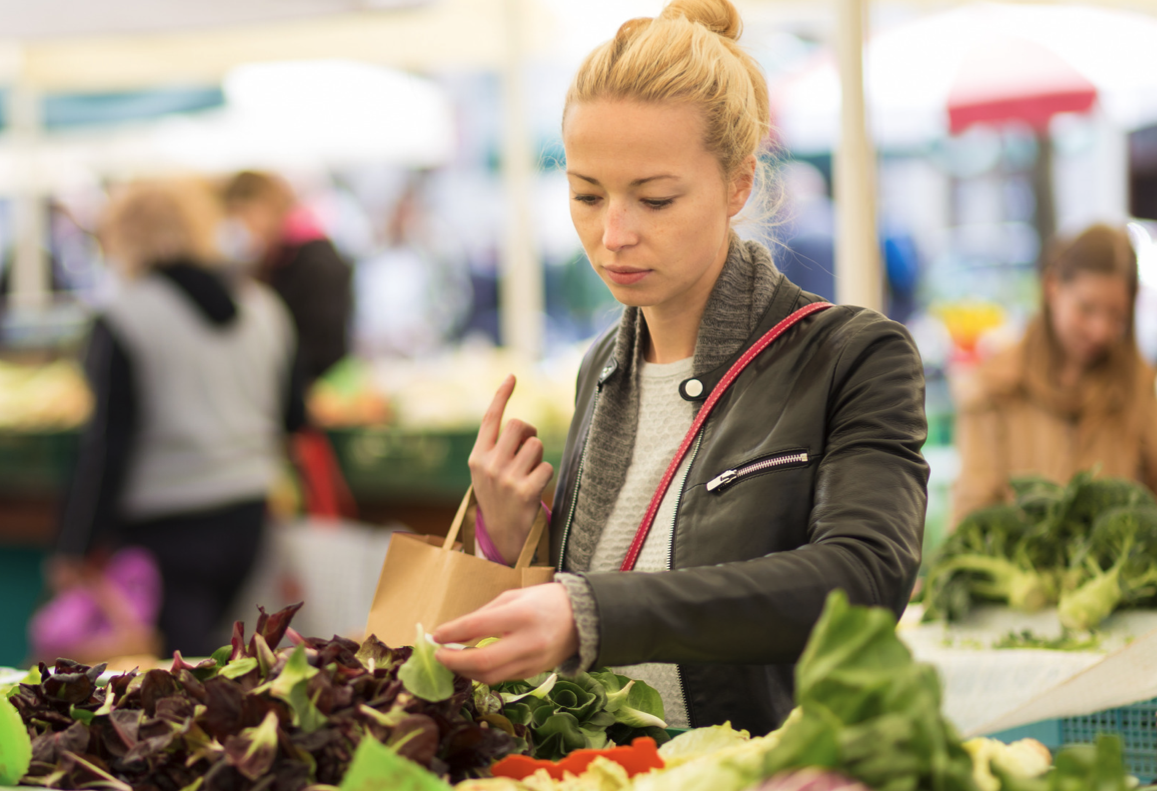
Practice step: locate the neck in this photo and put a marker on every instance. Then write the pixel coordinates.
(671, 337)
(673, 326)
(1070, 373)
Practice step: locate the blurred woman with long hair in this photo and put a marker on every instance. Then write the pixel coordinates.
(1074, 393)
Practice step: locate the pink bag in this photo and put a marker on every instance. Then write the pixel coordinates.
(75, 617)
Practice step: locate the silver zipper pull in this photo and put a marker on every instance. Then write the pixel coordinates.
(721, 480)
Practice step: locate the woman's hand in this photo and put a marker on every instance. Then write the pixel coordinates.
(537, 631)
(509, 475)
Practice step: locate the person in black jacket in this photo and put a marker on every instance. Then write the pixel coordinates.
(195, 389)
(295, 258)
(807, 477)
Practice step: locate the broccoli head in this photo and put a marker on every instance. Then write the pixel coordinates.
(1037, 497)
(1087, 498)
(1115, 567)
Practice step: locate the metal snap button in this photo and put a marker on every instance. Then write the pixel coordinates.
(693, 388)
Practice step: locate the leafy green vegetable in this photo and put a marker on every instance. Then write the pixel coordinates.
(1051, 544)
(1081, 767)
(1116, 566)
(599, 707)
(701, 741)
(15, 745)
(424, 675)
(253, 750)
(376, 767)
(633, 703)
(989, 556)
(254, 718)
(868, 710)
(737, 767)
(1067, 641)
(239, 667)
(540, 692)
(292, 686)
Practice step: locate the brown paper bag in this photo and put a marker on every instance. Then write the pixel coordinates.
(427, 580)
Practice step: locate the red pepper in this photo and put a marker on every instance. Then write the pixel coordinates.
(641, 757)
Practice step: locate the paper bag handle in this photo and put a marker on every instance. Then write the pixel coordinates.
(469, 503)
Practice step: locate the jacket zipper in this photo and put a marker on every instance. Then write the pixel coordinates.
(671, 558)
(578, 480)
(728, 477)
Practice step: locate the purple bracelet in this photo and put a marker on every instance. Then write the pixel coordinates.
(482, 537)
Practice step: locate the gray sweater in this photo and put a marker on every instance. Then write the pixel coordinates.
(211, 397)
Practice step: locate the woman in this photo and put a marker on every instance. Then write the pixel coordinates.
(662, 131)
(193, 385)
(1074, 393)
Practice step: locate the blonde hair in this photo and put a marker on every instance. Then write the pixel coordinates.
(251, 186)
(689, 53)
(147, 223)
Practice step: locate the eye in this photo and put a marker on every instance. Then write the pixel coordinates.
(658, 203)
(589, 200)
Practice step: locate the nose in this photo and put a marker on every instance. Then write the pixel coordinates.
(1104, 331)
(618, 228)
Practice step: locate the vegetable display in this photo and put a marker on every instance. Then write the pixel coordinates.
(1087, 547)
(324, 713)
(588, 711)
(250, 718)
(868, 719)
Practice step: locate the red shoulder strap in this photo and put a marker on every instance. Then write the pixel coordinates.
(728, 379)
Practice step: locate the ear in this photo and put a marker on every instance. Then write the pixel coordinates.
(742, 182)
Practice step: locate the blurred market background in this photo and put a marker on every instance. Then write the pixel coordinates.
(423, 135)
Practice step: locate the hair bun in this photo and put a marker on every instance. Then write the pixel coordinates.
(719, 16)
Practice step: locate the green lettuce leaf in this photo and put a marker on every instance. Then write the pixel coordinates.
(558, 735)
(642, 708)
(424, 676)
(701, 741)
(376, 767)
(238, 667)
(15, 745)
(540, 692)
(292, 686)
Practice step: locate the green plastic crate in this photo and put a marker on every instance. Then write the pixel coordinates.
(391, 463)
(1135, 724)
(37, 462)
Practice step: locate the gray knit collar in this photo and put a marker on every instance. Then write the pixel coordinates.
(741, 296)
(738, 301)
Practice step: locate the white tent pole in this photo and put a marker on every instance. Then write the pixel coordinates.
(30, 284)
(521, 292)
(858, 275)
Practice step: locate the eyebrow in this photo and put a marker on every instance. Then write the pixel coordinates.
(635, 183)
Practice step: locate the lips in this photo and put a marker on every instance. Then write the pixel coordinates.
(625, 275)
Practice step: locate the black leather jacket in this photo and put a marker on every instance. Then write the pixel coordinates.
(837, 406)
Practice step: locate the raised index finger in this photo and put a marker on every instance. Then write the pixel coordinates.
(492, 420)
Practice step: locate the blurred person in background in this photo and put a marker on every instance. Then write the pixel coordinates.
(1074, 393)
(194, 390)
(293, 255)
(414, 293)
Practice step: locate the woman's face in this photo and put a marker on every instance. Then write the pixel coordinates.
(1090, 314)
(648, 200)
